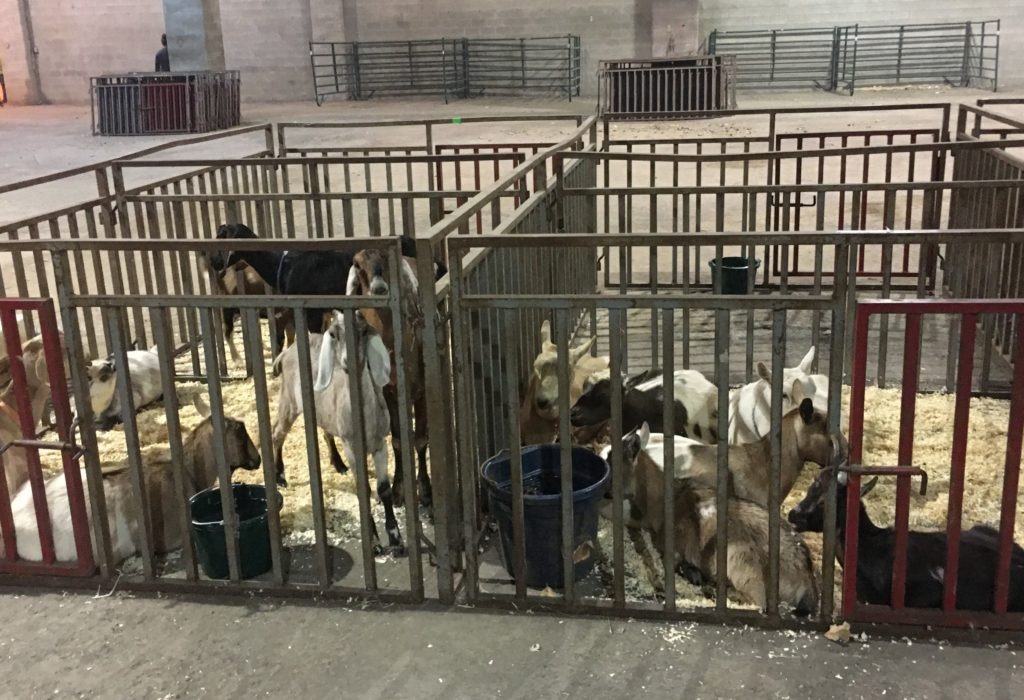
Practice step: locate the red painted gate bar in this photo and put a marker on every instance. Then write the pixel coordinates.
(913, 311)
(55, 360)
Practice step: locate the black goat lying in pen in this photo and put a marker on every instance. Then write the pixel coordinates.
(926, 555)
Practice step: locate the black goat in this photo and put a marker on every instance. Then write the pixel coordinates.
(926, 555)
(642, 402)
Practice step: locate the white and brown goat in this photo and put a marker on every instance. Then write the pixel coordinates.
(124, 518)
(370, 275)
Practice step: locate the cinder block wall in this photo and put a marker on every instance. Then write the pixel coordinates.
(758, 14)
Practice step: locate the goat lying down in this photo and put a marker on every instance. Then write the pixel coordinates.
(123, 515)
(334, 411)
(104, 375)
(750, 406)
(696, 523)
(926, 555)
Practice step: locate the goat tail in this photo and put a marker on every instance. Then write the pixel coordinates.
(276, 365)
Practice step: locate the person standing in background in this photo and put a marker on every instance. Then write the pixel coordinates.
(163, 60)
(3, 87)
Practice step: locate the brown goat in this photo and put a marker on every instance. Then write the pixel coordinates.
(696, 529)
(370, 275)
(538, 413)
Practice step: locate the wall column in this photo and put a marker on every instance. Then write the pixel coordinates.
(194, 39)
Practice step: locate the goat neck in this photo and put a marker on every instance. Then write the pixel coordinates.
(266, 262)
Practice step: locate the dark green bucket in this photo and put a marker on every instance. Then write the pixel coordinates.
(253, 531)
(735, 274)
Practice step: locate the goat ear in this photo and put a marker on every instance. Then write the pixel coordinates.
(798, 394)
(545, 333)
(763, 372)
(805, 364)
(378, 360)
(645, 435)
(576, 354)
(842, 478)
(865, 489)
(352, 286)
(325, 363)
(807, 410)
(631, 445)
(201, 405)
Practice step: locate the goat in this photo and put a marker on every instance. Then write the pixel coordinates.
(369, 276)
(926, 555)
(334, 411)
(696, 400)
(124, 518)
(538, 414)
(144, 374)
(242, 280)
(321, 272)
(750, 405)
(696, 527)
(33, 359)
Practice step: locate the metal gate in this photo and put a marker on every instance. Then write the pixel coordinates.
(967, 313)
(18, 390)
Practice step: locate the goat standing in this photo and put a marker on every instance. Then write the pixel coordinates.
(334, 411)
(370, 275)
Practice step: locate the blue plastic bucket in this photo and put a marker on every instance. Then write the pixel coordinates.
(542, 504)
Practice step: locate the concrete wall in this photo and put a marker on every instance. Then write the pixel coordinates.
(78, 39)
(758, 14)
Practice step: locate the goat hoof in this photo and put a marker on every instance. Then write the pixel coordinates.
(281, 481)
(339, 466)
(398, 551)
(378, 550)
(426, 513)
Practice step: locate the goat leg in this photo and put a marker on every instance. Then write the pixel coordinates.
(229, 331)
(380, 465)
(423, 479)
(279, 462)
(336, 461)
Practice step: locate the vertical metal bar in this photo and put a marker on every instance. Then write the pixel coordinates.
(911, 365)
(860, 367)
(565, 441)
(227, 497)
(353, 349)
(94, 480)
(722, 326)
(669, 422)
(131, 437)
(160, 320)
(259, 378)
(1011, 476)
(961, 418)
(515, 454)
(616, 328)
(775, 467)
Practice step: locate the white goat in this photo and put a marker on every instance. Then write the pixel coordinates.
(144, 371)
(750, 406)
(123, 514)
(334, 410)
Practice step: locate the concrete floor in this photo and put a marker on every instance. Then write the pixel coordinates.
(75, 645)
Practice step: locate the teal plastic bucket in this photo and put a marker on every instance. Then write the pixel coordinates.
(253, 530)
(735, 274)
